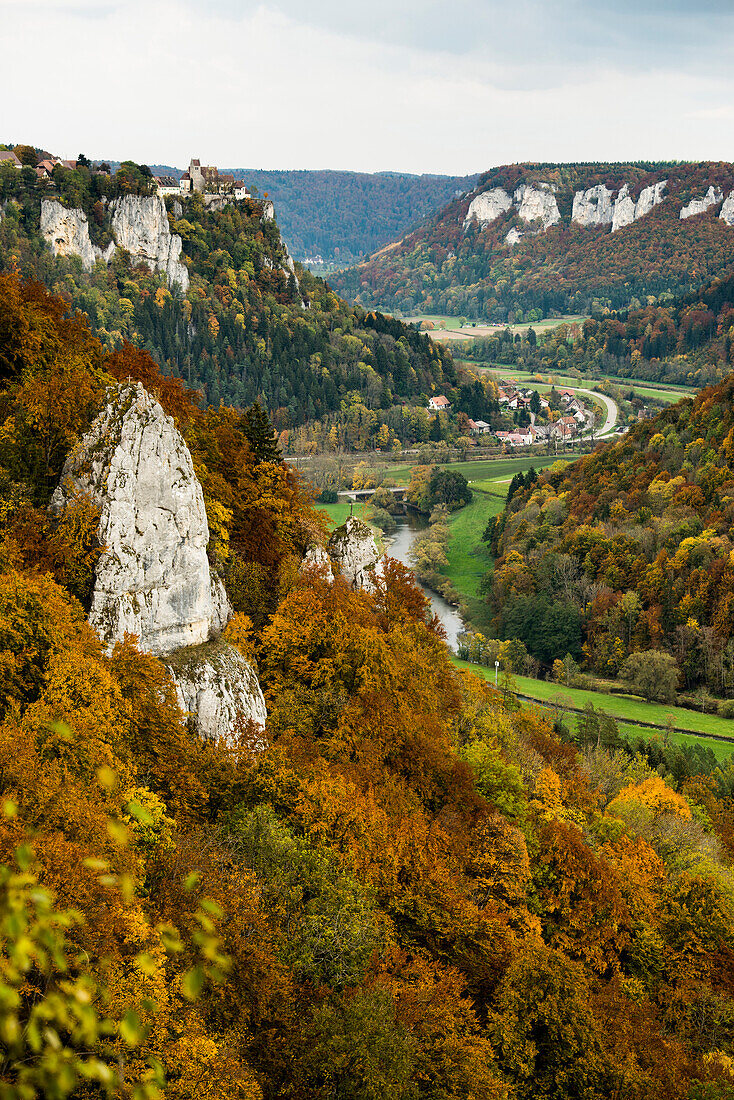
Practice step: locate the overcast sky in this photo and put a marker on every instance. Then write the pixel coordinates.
(452, 86)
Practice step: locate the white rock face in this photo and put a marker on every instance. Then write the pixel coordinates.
(537, 204)
(353, 549)
(727, 211)
(141, 226)
(593, 207)
(67, 232)
(626, 210)
(488, 206)
(318, 560)
(713, 196)
(649, 197)
(513, 237)
(153, 577)
(220, 693)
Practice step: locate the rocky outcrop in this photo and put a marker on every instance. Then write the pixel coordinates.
(713, 197)
(627, 211)
(318, 560)
(649, 197)
(353, 548)
(727, 211)
(152, 578)
(67, 233)
(537, 204)
(219, 692)
(513, 236)
(488, 206)
(624, 209)
(593, 207)
(140, 225)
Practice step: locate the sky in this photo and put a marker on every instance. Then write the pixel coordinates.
(394, 85)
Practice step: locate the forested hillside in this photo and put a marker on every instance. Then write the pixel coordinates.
(343, 216)
(687, 340)
(248, 327)
(415, 891)
(517, 254)
(629, 549)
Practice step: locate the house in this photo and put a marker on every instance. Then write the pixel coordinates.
(565, 428)
(8, 155)
(439, 404)
(45, 168)
(482, 427)
(185, 183)
(167, 185)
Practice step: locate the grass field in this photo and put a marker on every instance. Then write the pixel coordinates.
(484, 469)
(469, 558)
(624, 707)
(661, 390)
(339, 513)
(452, 329)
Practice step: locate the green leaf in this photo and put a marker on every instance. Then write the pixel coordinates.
(192, 983)
(131, 1028)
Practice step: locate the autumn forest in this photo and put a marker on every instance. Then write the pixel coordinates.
(404, 882)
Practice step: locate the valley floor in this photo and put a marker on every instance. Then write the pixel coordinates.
(682, 726)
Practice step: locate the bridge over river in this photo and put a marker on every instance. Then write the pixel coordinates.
(399, 492)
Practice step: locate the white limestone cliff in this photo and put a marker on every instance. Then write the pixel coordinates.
(593, 207)
(152, 578)
(318, 560)
(624, 209)
(727, 211)
(649, 197)
(713, 196)
(67, 233)
(513, 236)
(537, 204)
(140, 225)
(627, 211)
(353, 548)
(488, 206)
(220, 694)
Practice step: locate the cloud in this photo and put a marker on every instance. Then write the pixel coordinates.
(253, 84)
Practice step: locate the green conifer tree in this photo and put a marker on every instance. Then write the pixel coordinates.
(261, 435)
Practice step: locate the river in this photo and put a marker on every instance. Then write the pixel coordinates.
(409, 527)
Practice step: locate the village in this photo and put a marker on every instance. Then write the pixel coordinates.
(559, 418)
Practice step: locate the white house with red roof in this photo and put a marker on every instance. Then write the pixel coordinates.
(439, 404)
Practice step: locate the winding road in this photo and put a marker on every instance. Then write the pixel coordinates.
(608, 428)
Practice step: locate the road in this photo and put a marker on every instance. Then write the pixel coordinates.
(608, 427)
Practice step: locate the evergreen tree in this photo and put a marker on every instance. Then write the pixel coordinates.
(518, 482)
(261, 435)
(434, 433)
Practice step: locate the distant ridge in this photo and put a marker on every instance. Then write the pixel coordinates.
(559, 238)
